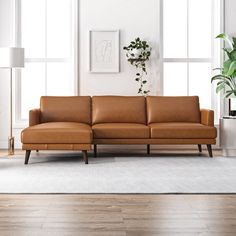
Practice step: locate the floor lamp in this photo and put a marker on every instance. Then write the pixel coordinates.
(11, 58)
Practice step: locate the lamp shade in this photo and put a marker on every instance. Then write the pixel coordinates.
(12, 57)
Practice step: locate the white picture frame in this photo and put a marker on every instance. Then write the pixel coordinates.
(104, 51)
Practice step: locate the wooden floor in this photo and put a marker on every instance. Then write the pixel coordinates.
(117, 215)
(107, 215)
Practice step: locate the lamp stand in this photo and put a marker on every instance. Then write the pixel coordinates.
(11, 138)
(10, 145)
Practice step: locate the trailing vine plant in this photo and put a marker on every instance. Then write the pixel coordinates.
(138, 52)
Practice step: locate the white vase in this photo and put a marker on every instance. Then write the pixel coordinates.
(136, 52)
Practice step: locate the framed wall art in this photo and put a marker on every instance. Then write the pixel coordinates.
(104, 51)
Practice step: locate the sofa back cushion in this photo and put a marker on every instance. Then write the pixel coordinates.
(173, 109)
(65, 109)
(118, 109)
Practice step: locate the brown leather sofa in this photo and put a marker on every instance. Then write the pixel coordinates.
(75, 123)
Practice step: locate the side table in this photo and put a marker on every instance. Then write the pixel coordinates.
(228, 136)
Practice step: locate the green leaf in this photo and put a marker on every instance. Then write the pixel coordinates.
(234, 40)
(228, 94)
(226, 66)
(227, 80)
(220, 82)
(219, 77)
(220, 87)
(228, 53)
(227, 39)
(232, 68)
(233, 54)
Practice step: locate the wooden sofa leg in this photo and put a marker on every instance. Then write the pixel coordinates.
(148, 149)
(95, 150)
(85, 156)
(27, 156)
(209, 150)
(37, 150)
(199, 147)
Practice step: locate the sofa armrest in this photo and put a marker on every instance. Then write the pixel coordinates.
(207, 117)
(34, 117)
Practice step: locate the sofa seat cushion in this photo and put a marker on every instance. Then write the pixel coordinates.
(182, 130)
(58, 132)
(120, 130)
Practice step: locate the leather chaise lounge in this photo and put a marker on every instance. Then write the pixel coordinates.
(77, 123)
(61, 123)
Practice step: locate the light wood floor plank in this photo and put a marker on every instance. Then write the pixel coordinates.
(121, 215)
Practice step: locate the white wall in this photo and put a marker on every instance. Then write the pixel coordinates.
(230, 17)
(133, 18)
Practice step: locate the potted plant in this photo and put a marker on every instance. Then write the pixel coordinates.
(138, 52)
(226, 78)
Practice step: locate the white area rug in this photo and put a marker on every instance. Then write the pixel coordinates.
(66, 173)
